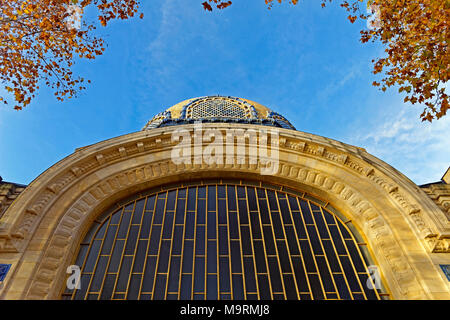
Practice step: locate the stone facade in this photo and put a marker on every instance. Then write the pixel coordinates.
(406, 231)
(8, 193)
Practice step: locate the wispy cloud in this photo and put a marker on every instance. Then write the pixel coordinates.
(339, 83)
(420, 150)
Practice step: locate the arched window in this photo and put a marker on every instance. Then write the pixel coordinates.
(224, 240)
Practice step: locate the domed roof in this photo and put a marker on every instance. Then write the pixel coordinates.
(218, 109)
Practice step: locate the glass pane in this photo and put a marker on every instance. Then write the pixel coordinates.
(227, 241)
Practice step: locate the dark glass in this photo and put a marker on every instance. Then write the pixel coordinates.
(101, 232)
(159, 210)
(154, 240)
(140, 256)
(186, 285)
(233, 222)
(108, 287)
(160, 287)
(221, 192)
(124, 224)
(289, 285)
(190, 225)
(273, 203)
(342, 286)
(131, 240)
(199, 274)
(284, 256)
(116, 256)
(180, 211)
(246, 240)
(293, 203)
(307, 256)
(306, 212)
(146, 225)
(299, 226)
(150, 205)
(300, 275)
(315, 286)
(82, 254)
(359, 265)
(164, 253)
(212, 198)
(264, 212)
(174, 274)
(231, 198)
(222, 212)
(133, 289)
(211, 287)
(243, 212)
(171, 200)
(212, 257)
(260, 256)
(115, 218)
(368, 286)
(223, 240)
(168, 226)
(124, 274)
(206, 244)
(314, 238)
(249, 271)
(192, 198)
(188, 254)
(350, 274)
(92, 256)
(277, 227)
(109, 240)
(269, 240)
(331, 256)
(275, 274)
(285, 212)
(252, 204)
(241, 192)
(84, 284)
(97, 280)
(236, 264)
(238, 287)
(325, 274)
(211, 225)
(137, 215)
(200, 240)
(291, 240)
(337, 240)
(264, 288)
(224, 275)
(201, 211)
(149, 275)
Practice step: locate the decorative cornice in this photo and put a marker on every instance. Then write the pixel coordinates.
(287, 142)
(36, 200)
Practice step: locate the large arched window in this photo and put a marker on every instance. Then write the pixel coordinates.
(224, 240)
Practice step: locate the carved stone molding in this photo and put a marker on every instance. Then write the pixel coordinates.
(147, 155)
(76, 215)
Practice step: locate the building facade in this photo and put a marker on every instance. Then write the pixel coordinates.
(221, 198)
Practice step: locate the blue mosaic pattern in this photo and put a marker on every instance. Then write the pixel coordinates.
(446, 269)
(4, 268)
(225, 109)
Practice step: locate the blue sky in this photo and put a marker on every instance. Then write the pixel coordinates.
(302, 61)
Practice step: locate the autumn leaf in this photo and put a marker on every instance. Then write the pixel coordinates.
(415, 35)
(39, 40)
(207, 6)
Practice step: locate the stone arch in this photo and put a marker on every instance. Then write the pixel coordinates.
(40, 232)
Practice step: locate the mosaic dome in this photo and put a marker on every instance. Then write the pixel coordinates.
(218, 109)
